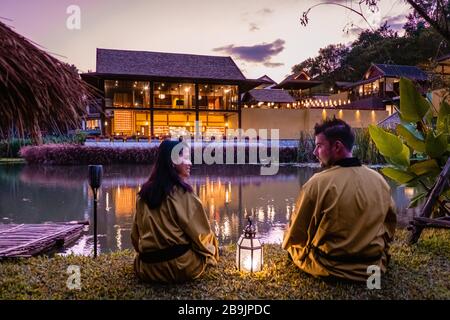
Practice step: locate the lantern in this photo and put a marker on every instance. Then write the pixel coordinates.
(249, 253)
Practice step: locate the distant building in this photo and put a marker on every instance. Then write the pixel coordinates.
(443, 67)
(297, 103)
(155, 94)
(268, 98)
(441, 81)
(268, 82)
(380, 86)
(300, 86)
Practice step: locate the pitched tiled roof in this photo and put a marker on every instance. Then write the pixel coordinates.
(290, 82)
(159, 64)
(358, 83)
(270, 95)
(395, 71)
(343, 84)
(294, 77)
(267, 79)
(410, 72)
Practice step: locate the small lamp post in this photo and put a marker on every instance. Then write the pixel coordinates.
(249, 253)
(95, 181)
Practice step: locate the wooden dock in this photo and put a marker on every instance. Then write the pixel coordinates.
(26, 240)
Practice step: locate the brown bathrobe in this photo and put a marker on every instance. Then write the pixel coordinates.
(344, 221)
(181, 219)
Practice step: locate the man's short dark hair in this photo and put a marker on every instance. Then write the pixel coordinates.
(336, 130)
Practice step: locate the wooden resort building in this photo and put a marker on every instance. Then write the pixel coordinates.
(268, 98)
(443, 66)
(155, 94)
(300, 85)
(312, 102)
(380, 86)
(441, 81)
(269, 83)
(369, 101)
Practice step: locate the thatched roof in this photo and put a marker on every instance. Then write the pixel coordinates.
(37, 91)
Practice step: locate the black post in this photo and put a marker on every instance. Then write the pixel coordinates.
(95, 181)
(95, 221)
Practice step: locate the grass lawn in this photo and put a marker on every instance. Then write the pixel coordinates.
(421, 271)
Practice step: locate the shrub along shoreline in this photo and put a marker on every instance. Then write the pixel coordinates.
(69, 150)
(10, 148)
(421, 271)
(76, 154)
(73, 154)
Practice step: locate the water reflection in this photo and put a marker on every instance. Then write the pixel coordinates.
(30, 194)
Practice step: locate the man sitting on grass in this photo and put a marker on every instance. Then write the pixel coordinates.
(344, 217)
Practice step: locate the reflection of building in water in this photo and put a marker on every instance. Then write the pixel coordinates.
(107, 202)
(216, 196)
(124, 199)
(228, 193)
(120, 205)
(213, 194)
(227, 202)
(260, 215)
(119, 237)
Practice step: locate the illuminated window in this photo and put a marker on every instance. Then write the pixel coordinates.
(174, 95)
(127, 94)
(92, 124)
(123, 121)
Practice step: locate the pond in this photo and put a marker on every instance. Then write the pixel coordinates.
(38, 194)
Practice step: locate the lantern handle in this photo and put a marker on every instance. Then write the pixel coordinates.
(249, 230)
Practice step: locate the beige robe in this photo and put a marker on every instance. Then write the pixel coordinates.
(349, 215)
(181, 219)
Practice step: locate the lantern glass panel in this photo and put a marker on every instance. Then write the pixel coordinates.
(244, 258)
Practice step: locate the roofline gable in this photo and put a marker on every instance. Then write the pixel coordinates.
(307, 77)
(154, 63)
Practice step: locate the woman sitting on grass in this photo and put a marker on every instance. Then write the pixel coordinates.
(171, 232)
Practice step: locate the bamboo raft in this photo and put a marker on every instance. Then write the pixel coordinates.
(26, 240)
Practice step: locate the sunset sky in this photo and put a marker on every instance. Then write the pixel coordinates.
(262, 36)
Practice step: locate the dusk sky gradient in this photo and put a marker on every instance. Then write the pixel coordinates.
(262, 36)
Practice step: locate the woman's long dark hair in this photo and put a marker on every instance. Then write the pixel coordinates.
(163, 178)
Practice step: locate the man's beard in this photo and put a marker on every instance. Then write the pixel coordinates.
(326, 165)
